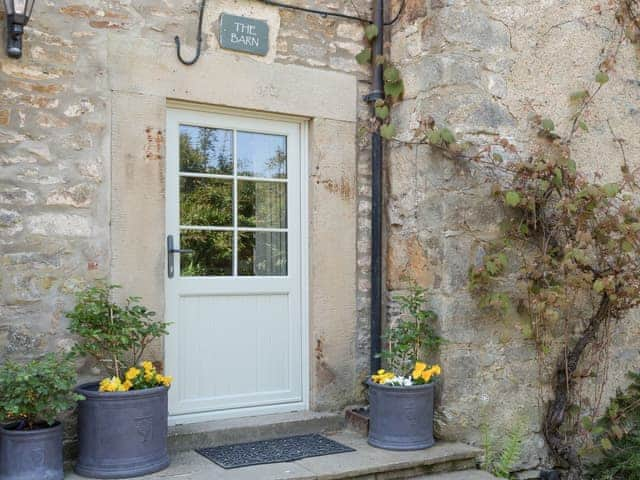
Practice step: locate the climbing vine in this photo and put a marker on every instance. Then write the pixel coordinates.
(568, 256)
(393, 86)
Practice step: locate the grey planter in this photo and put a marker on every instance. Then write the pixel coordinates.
(401, 418)
(31, 454)
(121, 434)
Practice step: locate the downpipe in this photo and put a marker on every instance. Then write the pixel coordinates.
(377, 214)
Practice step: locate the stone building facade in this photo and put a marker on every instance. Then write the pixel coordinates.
(83, 172)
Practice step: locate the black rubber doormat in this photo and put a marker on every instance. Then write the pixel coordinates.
(288, 449)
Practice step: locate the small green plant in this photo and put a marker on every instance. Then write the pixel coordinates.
(114, 334)
(412, 339)
(32, 395)
(617, 436)
(501, 458)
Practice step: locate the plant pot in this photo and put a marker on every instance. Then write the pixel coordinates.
(121, 434)
(401, 418)
(31, 454)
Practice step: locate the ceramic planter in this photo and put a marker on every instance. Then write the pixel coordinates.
(122, 434)
(401, 418)
(31, 454)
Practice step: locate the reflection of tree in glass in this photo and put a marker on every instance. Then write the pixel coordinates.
(278, 163)
(205, 150)
(252, 150)
(207, 202)
(213, 254)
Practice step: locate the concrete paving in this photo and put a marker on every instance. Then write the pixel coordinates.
(366, 463)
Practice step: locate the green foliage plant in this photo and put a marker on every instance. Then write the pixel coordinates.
(500, 458)
(393, 85)
(116, 335)
(34, 394)
(413, 338)
(617, 436)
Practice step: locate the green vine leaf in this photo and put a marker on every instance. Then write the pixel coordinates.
(382, 112)
(583, 126)
(579, 96)
(394, 89)
(364, 56)
(611, 189)
(447, 136)
(512, 199)
(391, 74)
(548, 125)
(387, 131)
(371, 31)
(602, 78)
(434, 137)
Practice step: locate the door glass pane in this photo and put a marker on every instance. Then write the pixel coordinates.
(206, 150)
(212, 256)
(262, 204)
(262, 253)
(262, 155)
(206, 202)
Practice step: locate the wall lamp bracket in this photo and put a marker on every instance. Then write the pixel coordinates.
(18, 13)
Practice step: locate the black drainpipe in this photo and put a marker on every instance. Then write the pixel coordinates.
(377, 93)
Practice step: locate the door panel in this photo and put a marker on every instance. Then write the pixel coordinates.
(234, 201)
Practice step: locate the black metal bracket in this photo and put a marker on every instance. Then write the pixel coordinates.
(199, 39)
(171, 251)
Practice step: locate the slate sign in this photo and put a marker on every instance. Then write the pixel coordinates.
(244, 34)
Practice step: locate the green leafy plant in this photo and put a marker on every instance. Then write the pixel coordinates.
(33, 394)
(393, 85)
(411, 339)
(617, 436)
(501, 458)
(116, 335)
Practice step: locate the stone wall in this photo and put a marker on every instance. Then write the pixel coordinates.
(65, 219)
(483, 68)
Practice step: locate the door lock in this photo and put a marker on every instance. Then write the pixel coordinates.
(171, 251)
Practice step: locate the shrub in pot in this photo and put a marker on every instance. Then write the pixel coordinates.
(32, 396)
(401, 400)
(122, 422)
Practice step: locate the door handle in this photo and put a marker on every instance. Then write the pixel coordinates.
(171, 251)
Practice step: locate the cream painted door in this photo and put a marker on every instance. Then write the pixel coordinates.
(237, 343)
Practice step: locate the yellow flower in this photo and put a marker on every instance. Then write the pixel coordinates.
(112, 384)
(148, 375)
(159, 378)
(436, 369)
(380, 372)
(426, 375)
(148, 366)
(127, 385)
(167, 381)
(132, 373)
(418, 369)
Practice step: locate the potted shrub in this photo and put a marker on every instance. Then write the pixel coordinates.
(122, 422)
(401, 399)
(32, 396)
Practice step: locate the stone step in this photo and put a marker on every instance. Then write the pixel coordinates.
(249, 429)
(464, 475)
(366, 463)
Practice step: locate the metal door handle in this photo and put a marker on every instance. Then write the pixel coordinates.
(171, 252)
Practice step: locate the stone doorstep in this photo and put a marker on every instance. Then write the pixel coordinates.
(466, 475)
(249, 429)
(366, 463)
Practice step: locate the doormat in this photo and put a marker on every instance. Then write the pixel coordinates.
(288, 449)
